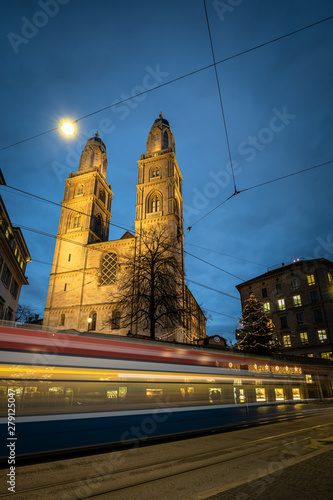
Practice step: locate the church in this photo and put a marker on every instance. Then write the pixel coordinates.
(87, 268)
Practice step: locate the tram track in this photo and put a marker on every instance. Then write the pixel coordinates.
(118, 481)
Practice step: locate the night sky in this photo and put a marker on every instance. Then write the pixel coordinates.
(78, 56)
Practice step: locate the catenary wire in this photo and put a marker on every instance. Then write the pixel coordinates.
(213, 289)
(175, 80)
(220, 96)
(259, 185)
(227, 255)
(213, 265)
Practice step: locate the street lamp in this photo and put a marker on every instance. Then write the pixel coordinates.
(67, 128)
(89, 321)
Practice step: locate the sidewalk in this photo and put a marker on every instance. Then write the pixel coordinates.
(310, 479)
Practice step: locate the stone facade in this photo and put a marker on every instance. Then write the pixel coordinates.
(86, 265)
(298, 298)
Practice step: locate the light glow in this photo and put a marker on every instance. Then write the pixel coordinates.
(67, 128)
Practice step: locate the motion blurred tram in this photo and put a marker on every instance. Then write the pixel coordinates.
(73, 391)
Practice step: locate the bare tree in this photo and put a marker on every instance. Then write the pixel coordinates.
(151, 288)
(26, 314)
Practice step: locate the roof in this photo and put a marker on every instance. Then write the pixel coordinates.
(283, 268)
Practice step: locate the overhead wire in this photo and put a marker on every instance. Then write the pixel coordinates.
(259, 185)
(169, 82)
(220, 96)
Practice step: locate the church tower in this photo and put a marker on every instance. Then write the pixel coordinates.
(159, 188)
(84, 220)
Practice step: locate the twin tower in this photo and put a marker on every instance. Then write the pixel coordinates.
(86, 266)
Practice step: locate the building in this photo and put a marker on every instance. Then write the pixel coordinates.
(298, 298)
(86, 266)
(14, 255)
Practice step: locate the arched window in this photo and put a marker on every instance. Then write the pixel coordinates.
(98, 224)
(115, 320)
(102, 195)
(155, 173)
(155, 204)
(80, 189)
(109, 269)
(77, 221)
(92, 321)
(165, 140)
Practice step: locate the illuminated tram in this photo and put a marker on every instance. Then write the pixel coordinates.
(76, 391)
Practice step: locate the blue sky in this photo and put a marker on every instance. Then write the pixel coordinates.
(71, 58)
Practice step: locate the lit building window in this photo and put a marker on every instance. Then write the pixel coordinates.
(330, 278)
(296, 393)
(311, 279)
(300, 319)
(281, 304)
(267, 307)
(297, 300)
(326, 355)
(279, 395)
(322, 335)
(286, 341)
(304, 338)
(260, 394)
(308, 379)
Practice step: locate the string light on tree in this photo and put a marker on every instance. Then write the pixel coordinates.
(257, 330)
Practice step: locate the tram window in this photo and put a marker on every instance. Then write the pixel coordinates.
(18, 390)
(215, 394)
(279, 395)
(30, 390)
(186, 392)
(112, 394)
(296, 393)
(242, 396)
(56, 390)
(260, 394)
(150, 393)
(122, 392)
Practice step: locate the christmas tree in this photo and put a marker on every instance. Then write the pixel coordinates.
(257, 330)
